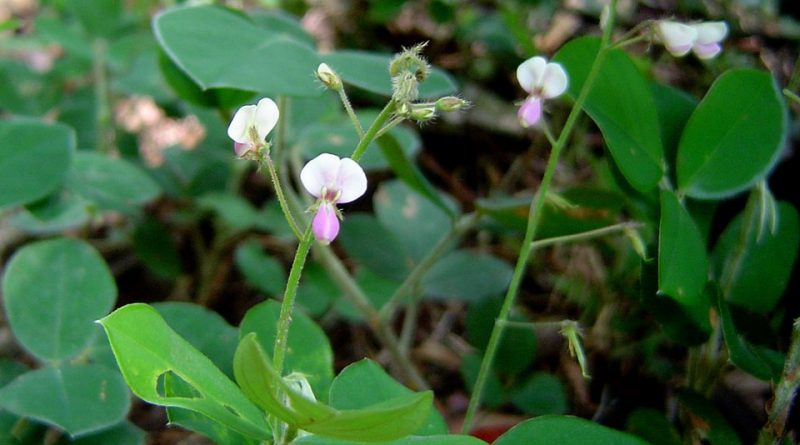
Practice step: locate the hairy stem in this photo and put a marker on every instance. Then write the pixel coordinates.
(372, 131)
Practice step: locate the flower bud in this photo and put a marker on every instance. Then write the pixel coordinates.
(423, 112)
(328, 77)
(451, 103)
(325, 224)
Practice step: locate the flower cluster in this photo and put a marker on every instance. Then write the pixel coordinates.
(541, 80)
(701, 38)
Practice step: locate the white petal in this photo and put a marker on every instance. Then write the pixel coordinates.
(530, 73)
(554, 81)
(351, 181)
(266, 117)
(319, 173)
(677, 37)
(710, 32)
(240, 123)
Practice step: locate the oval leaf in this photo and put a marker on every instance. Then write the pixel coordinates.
(54, 290)
(734, 136)
(34, 159)
(114, 184)
(467, 276)
(564, 430)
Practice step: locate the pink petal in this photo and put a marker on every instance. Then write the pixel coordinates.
(530, 112)
(707, 50)
(325, 224)
(241, 149)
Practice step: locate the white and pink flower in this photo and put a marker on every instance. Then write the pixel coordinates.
(541, 80)
(251, 124)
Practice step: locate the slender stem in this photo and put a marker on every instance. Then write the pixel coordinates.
(386, 128)
(786, 389)
(547, 132)
(350, 113)
(465, 223)
(287, 306)
(534, 216)
(791, 96)
(409, 327)
(369, 136)
(533, 325)
(582, 236)
(276, 184)
(105, 130)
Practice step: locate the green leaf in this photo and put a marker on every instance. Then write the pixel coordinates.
(708, 420)
(218, 48)
(564, 430)
(377, 289)
(262, 271)
(34, 159)
(125, 433)
(148, 350)
(283, 23)
(52, 214)
(675, 107)
(308, 352)
(365, 383)
(467, 276)
(539, 394)
(389, 420)
(734, 137)
(316, 291)
(154, 245)
(54, 290)
(762, 267)
(493, 393)
(79, 399)
(188, 90)
(751, 358)
(450, 439)
(234, 211)
(517, 347)
(370, 71)
(652, 426)
(409, 173)
(366, 240)
(9, 370)
(621, 104)
(99, 18)
(682, 260)
(114, 184)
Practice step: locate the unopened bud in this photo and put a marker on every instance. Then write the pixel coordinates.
(423, 112)
(451, 103)
(328, 77)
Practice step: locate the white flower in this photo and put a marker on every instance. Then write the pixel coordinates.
(332, 181)
(542, 80)
(251, 124)
(701, 38)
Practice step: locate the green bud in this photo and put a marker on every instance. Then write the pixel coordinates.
(451, 103)
(328, 77)
(423, 112)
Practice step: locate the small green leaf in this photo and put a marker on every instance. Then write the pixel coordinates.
(675, 107)
(467, 276)
(539, 394)
(734, 137)
(746, 356)
(54, 290)
(34, 159)
(309, 351)
(761, 268)
(219, 48)
(564, 430)
(260, 270)
(682, 260)
(79, 399)
(114, 184)
(370, 71)
(622, 105)
(148, 350)
(385, 421)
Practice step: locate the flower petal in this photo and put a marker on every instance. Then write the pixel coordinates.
(325, 224)
(240, 123)
(710, 32)
(530, 112)
(319, 173)
(677, 37)
(531, 72)
(242, 149)
(707, 50)
(351, 181)
(266, 117)
(554, 81)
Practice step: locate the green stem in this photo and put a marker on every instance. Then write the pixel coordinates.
(786, 389)
(465, 223)
(287, 306)
(791, 96)
(276, 184)
(386, 128)
(372, 131)
(534, 216)
(351, 113)
(105, 130)
(582, 236)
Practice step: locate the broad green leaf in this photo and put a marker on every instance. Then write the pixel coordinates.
(385, 421)
(365, 383)
(564, 430)
(675, 107)
(52, 214)
(147, 350)
(154, 245)
(754, 359)
(409, 173)
(539, 394)
(734, 137)
(682, 261)
(652, 426)
(760, 268)
(466, 276)
(79, 399)
(262, 271)
(54, 290)
(370, 243)
(450, 439)
(370, 71)
(114, 184)
(518, 346)
(218, 48)
(621, 104)
(705, 417)
(414, 221)
(188, 90)
(309, 351)
(34, 159)
(283, 23)
(125, 433)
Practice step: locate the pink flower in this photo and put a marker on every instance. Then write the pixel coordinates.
(542, 80)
